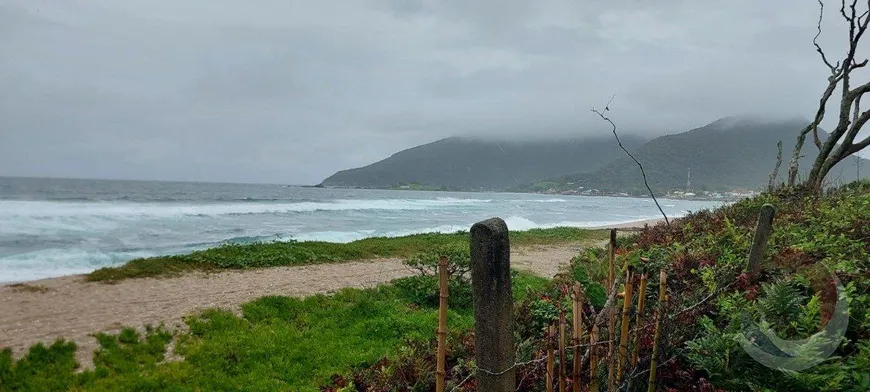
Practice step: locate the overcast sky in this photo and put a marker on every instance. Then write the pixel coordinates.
(287, 91)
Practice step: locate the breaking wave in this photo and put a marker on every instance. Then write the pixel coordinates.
(43, 209)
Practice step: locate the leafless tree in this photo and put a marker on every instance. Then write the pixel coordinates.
(840, 143)
(771, 182)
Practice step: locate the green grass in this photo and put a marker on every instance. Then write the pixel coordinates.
(272, 254)
(278, 344)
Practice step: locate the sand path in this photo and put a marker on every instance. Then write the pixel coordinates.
(72, 308)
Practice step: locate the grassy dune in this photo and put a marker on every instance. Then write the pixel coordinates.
(277, 344)
(271, 254)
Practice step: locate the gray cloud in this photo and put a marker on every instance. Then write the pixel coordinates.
(291, 91)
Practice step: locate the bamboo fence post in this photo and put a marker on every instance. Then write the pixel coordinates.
(622, 359)
(442, 323)
(550, 332)
(575, 340)
(562, 358)
(611, 330)
(663, 277)
(641, 302)
(593, 359)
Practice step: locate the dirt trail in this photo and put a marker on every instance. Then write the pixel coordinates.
(71, 308)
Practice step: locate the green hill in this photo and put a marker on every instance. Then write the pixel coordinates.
(473, 164)
(729, 153)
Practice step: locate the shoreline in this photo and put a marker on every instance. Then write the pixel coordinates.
(617, 194)
(627, 226)
(73, 308)
(635, 225)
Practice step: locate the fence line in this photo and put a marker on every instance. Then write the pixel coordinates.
(552, 337)
(625, 363)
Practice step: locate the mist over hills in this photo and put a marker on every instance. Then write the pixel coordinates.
(459, 163)
(730, 153)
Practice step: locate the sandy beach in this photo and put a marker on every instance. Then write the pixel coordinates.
(71, 308)
(633, 226)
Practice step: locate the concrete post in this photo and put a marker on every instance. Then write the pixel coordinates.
(493, 306)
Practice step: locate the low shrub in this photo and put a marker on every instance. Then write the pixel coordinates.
(423, 290)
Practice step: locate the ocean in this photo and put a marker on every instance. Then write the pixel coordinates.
(55, 227)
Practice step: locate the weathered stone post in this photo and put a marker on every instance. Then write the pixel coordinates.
(762, 233)
(493, 305)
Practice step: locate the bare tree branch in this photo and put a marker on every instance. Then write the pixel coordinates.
(833, 81)
(816, 42)
(860, 90)
(859, 122)
(642, 172)
(771, 183)
(843, 9)
(850, 120)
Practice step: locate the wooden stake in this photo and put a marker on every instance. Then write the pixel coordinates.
(575, 340)
(593, 359)
(641, 302)
(562, 358)
(763, 230)
(442, 324)
(550, 337)
(611, 330)
(622, 360)
(663, 298)
(612, 257)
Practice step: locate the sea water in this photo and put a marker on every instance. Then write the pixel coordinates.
(54, 227)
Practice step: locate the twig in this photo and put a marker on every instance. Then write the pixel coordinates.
(470, 374)
(511, 367)
(642, 172)
(818, 34)
(599, 318)
(771, 182)
(703, 301)
(659, 366)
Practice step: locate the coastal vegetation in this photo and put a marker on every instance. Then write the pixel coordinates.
(275, 344)
(382, 339)
(710, 301)
(289, 253)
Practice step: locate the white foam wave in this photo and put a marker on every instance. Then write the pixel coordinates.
(514, 223)
(52, 210)
(520, 223)
(454, 200)
(59, 262)
(350, 236)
